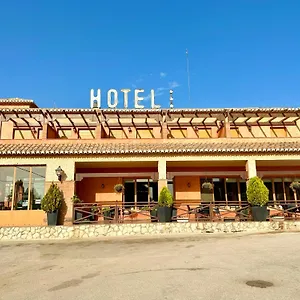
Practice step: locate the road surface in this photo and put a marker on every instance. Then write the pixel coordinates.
(177, 267)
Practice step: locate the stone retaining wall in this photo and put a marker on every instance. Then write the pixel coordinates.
(93, 231)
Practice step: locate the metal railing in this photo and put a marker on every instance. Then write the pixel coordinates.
(182, 211)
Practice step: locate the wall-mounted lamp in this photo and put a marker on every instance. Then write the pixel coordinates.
(196, 128)
(189, 184)
(59, 172)
(129, 129)
(102, 185)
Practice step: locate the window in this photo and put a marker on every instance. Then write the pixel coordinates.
(204, 133)
(178, 133)
(64, 133)
(25, 134)
(116, 133)
(37, 187)
(140, 192)
(278, 132)
(279, 192)
(269, 185)
(6, 187)
(22, 187)
(144, 133)
(232, 190)
(86, 134)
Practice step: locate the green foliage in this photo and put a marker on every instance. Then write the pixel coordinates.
(165, 198)
(53, 199)
(119, 188)
(257, 192)
(75, 199)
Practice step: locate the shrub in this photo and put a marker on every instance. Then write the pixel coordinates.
(53, 199)
(165, 198)
(75, 199)
(257, 192)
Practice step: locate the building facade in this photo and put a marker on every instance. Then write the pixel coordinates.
(145, 150)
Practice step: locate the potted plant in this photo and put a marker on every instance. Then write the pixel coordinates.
(295, 186)
(153, 212)
(94, 211)
(75, 199)
(165, 202)
(51, 203)
(207, 186)
(119, 188)
(207, 189)
(107, 214)
(258, 197)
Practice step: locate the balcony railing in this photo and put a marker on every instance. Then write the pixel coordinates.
(183, 211)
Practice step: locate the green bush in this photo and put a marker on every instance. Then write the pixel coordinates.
(257, 192)
(53, 199)
(165, 198)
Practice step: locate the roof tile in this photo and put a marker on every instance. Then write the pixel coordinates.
(118, 147)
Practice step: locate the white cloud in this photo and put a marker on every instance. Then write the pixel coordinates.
(162, 74)
(173, 84)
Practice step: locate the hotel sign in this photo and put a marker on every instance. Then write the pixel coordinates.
(113, 98)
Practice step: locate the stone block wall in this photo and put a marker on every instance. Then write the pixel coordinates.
(147, 229)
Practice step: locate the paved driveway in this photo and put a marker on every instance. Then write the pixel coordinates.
(178, 267)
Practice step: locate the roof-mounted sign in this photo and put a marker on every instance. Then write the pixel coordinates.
(113, 100)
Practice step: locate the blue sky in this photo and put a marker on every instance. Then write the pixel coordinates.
(242, 53)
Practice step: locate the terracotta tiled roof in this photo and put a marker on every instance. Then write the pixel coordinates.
(119, 147)
(153, 111)
(17, 101)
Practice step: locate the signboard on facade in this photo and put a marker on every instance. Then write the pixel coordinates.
(112, 98)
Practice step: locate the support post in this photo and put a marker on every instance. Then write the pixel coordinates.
(251, 168)
(162, 175)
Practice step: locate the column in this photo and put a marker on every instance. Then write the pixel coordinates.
(251, 168)
(67, 186)
(98, 132)
(227, 127)
(162, 174)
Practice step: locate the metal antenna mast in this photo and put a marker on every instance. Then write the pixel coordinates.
(188, 74)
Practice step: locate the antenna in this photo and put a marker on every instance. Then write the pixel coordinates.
(188, 74)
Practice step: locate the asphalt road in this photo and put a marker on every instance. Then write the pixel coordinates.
(177, 267)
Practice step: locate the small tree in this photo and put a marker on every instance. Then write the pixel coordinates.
(257, 192)
(165, 198)
(53, 199)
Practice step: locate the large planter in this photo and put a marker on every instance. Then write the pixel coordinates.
(174, 214)
(52, 218)
(153, 214)
(259, 213)
(78, 215)
(164, 214)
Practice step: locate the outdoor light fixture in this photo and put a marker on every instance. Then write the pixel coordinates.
(189, 184)
(59, 171)
(129, 129)
(102, 185)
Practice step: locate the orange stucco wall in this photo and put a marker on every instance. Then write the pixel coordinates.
(187, 188)
(23, 218)
(98, 189)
